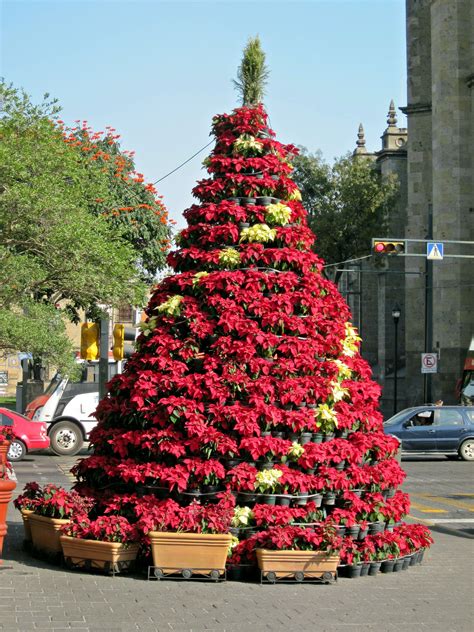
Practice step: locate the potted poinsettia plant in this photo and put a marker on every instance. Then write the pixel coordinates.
(53, 508)
(298, 551)
(7, 485)
(190, 539)
(108, 542)
(26, 503)
(6, 436)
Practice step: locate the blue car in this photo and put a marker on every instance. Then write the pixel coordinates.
(435, 429)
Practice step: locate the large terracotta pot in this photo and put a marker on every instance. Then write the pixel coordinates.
(6, 491)
(110, 556)
(297, 564)
(4, 447)
(45, 533)
(25, 514)
(201, 553)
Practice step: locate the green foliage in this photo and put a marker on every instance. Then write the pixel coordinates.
(348, 203)
(130, 206)
(252, 74)
(56, 257)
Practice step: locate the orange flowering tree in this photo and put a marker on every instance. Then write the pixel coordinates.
(131, 206)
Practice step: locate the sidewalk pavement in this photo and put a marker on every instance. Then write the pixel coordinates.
(34, 595)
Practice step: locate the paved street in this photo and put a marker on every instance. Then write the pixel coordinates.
(434, 596)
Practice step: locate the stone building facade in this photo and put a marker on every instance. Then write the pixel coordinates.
(434, 162)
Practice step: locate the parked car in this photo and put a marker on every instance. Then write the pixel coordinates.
(435, 429)
(29, 435)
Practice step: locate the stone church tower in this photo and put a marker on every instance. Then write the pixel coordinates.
(440, 176)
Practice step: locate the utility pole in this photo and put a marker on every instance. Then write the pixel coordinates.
(104, 356)
(427, 394)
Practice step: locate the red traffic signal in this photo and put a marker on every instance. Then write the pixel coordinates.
(388, 247)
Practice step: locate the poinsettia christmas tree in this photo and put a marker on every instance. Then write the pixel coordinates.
(247, 376)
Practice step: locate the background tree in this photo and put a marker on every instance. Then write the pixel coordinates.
(252, 74)
(130, 205)
(348, 203)
(56, 257)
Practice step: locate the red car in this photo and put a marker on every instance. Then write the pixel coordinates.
(29, 435)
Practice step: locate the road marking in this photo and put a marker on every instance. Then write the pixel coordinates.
(426, 509)
(446, 501)
(457, 520)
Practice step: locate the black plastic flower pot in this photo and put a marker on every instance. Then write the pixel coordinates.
(284, 501)
(267, 499)
(413, 558)
(317, 437)
(328, 436)
(265, 433)
(317, 500)
(264, 200)
(387, 566)
(247, 201)
(236, 200)
(374, 568)
(365, 569)
(398, 565)
(278, 434)
(421, 554)
(329, 498)
(376, 527)
(342, 434)
(267, 465)
(246, 497)
(340, 529)
(305, 437)
(406, 563)
(390, 492)
(353, 531)
(243, 225)
(363, 533)
(302, 500)
(340, 466)
(355, 570)
(310, 470)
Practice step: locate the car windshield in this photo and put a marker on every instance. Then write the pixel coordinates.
(395, 419)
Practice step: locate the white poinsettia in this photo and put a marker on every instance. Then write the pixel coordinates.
(277, 214)
(198, 276)
(351, 341)
(246, 144)
(344, 372)
(172, 306)
(326, 418)
(337, 392)
(229, 257)
(260, 233)
(148, 326)
(242, 516)
(267, 480)
(295, 195)
(296, 450)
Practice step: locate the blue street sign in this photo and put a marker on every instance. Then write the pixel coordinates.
(435, 250)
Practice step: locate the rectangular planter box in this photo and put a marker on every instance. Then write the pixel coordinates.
(175, 552)
(45, 533)
(287, 563)
(25, 514)
(111, 556)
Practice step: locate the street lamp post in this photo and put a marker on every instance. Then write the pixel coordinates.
(396, 312)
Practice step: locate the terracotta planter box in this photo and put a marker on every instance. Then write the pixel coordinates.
(45, 533)
(297, 564)
(6, 491)
(25, 514)
(176, 552)
(110, 556)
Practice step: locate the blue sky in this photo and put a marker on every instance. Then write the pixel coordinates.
(158, 71)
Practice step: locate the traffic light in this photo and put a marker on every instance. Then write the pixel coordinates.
(124, 339)
(90, 341)
(380, 247)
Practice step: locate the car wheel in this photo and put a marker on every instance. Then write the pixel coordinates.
(17, 450)
(466, 450)
(66, 438)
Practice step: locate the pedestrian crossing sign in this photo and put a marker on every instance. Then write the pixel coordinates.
(435, 250)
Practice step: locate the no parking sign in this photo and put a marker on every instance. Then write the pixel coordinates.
(429, 363)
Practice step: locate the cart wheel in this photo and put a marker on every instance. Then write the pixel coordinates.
(158, 573)
(327, 577)
(215, 574)
(187, 573)
(271, 576)
(299, 576)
